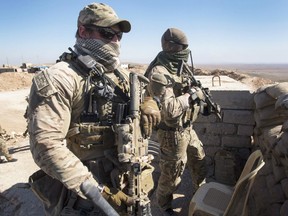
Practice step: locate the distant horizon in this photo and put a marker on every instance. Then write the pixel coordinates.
(195, 64)
(273, 71)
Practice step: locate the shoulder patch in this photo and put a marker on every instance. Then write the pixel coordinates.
(44, 85)
(41, 81)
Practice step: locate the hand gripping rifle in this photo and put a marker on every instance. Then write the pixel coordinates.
(207, 106)
(132, 147)
(133, 150)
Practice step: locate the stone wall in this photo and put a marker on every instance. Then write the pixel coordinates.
(232, 134)
(250, 120)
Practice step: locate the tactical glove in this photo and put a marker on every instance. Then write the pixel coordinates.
(150, 116)
(92, 192)
(118, 199)
(196, 95)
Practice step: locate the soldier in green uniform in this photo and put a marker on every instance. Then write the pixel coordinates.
(72, 109)
(178, 140)
(3, 148)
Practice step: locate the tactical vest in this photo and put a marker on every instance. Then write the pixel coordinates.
(179, 88)
(106, 103)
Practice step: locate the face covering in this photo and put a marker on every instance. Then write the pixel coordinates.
(106, 54)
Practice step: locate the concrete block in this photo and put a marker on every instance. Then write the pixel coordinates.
(236, 141)
(211, 150)
(230, 94)
(211, 118)
(210, 140)
(226, 84)
(244, 117)
(215, 129)
(245, 130)
(233, 99)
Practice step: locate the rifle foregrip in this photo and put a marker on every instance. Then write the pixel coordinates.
(93, 194)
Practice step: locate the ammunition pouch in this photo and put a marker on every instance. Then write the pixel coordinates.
(89, 135)
(49, 190)
(147, 182)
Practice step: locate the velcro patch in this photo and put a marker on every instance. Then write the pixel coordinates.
(41, 81)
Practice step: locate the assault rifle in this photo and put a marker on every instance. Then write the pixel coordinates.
(132, 147)
(133, 151)
(207, 106)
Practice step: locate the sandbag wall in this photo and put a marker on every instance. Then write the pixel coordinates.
(269, 195)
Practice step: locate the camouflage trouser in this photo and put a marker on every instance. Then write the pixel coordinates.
(196, 161)
(4, 150)
(175, 146)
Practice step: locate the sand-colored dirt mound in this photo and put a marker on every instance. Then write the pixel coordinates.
(10, 81)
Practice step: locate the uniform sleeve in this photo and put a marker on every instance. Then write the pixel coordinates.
(49, 118)
(161, 87)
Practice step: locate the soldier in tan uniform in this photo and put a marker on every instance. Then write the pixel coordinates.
(3, 148)
(178, 140)
(72, 108)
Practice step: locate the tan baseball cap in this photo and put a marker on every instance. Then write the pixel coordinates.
(102, 15)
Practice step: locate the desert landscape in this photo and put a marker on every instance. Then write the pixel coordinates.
(15, 196)
(13, 122)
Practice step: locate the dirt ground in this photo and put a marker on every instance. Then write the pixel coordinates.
(12, 81)
(16, 197)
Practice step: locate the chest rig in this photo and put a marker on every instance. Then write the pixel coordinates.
(180, 87)
(106, 102)
(108, 98)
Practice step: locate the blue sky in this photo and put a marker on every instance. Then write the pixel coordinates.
(219, 31)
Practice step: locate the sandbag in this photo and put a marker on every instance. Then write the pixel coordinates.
(261, 123)
(278, 170)
(285, 126)
(281, 147)
(262, 99)
(282, 102)
(269, 112)
(276, 90)
(284, 208)
(270, 135)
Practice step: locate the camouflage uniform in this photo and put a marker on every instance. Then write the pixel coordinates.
(59, 141)
(178, 140)
(3, 148)
(4, 151)
(70, 127)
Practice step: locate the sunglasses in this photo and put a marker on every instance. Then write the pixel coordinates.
(106, 33)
